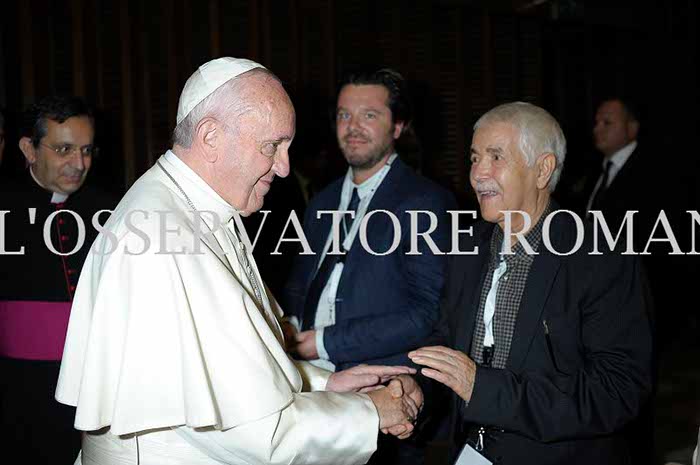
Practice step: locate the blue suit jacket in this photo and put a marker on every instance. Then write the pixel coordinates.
(385, 305)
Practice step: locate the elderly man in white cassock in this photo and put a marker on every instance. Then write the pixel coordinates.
(174, 353)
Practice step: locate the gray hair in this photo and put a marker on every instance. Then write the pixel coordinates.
(227, 101)
(539, 133)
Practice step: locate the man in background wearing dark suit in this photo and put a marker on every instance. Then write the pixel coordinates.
(357, 306)
(617, 188)
(551, 346)
(632, 182)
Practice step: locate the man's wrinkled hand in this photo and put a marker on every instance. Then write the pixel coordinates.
(305, 346)
(414, 397)
(450, 367)
(412, 391)
(364, 378)
(396, 414)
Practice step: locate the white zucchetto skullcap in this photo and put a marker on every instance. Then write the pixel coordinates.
(209, 77)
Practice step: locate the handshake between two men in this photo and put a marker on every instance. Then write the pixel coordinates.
(398, 403)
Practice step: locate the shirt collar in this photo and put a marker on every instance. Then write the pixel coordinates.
(533, 237)
(200, 193)
(370, 184)
(620, 157)
(56, 197)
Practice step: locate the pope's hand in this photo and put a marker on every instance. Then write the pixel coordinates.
(364, 378)
(413, 395)
(395, 413)
(450, 367)
(412, 391)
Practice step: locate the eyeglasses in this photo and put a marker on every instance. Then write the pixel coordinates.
(68, 149)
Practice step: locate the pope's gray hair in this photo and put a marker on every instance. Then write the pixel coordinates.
(227, 102)
(539, 133)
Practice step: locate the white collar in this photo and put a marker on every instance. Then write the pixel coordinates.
(369, 184)
(620, 157)
(57, 197)
(200, 193)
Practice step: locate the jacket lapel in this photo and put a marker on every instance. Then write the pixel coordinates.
(320, 227)
(537, 289)
(386, 197)
(468, 302)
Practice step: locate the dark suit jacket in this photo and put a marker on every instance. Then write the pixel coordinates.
(564, 405)
(631, 189)
(385, 305)
(641, 186)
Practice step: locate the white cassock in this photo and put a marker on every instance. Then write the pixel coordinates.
(170, 356)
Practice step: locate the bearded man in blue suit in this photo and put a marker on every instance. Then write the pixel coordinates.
(372, 295)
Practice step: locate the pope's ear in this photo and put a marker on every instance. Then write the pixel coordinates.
(208, 134)
(27, 149)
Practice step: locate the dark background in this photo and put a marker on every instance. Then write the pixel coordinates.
(131, 58)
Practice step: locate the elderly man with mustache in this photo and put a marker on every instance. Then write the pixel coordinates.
(551, 346)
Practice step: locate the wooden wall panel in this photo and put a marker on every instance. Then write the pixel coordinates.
(61, 34)
(78, 44)
(446, 61)
(132, 58)
(282, 46)
(127, 108)
(235, 28)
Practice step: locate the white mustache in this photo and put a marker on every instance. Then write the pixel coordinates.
(486, 186)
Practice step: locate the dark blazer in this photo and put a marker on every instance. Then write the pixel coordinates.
(631, 190)
(562, 403)
(385, 305)
(641, 186)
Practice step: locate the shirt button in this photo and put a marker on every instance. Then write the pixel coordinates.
(72, 288)
(64, 237)
(60, 221)
(71, 271)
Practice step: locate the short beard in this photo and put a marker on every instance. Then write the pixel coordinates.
(370, 161)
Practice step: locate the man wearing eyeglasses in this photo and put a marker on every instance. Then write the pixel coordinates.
(46, 234)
